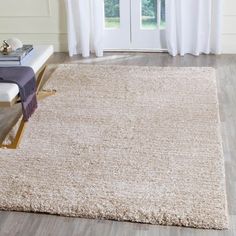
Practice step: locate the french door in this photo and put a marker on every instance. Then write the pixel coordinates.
(134, 25)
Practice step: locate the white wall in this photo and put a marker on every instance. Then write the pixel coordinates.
(44, 21)
(34, 21)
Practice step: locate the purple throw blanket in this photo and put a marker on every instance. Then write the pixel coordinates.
(24, 77)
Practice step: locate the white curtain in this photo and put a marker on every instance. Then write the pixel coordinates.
(85, 20)
(193, 26)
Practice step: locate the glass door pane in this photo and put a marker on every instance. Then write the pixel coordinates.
(112, 13)
(153, 14)
(149, 14)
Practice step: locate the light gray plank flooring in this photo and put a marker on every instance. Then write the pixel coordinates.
(30, 224)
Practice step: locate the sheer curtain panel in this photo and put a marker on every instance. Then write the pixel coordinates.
(85, 21)
(193, 26)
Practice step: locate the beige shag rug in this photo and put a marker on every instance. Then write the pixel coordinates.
(128, 143)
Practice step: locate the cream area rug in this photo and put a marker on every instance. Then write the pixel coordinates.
(127, 143)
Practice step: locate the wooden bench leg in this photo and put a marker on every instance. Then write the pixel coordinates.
(18, 137)
(45, 93)
(40, 79)
(41, 94)
(15, 144)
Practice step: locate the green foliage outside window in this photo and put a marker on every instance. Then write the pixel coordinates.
(112, 8)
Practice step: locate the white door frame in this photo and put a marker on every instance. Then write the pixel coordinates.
(141, 38)
(119, 38)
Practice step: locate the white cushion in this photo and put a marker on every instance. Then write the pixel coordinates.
(8, 92)
(36, 59)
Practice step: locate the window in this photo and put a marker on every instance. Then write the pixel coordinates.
(112, 13)
(153, 14)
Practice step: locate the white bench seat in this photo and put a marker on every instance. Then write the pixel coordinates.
(36, 59)
(8, 92)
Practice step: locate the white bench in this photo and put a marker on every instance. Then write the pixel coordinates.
(9, 93)
(36, 60)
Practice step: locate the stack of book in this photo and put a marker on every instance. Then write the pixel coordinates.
(16, 57)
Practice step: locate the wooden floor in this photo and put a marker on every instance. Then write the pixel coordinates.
(29, 224)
